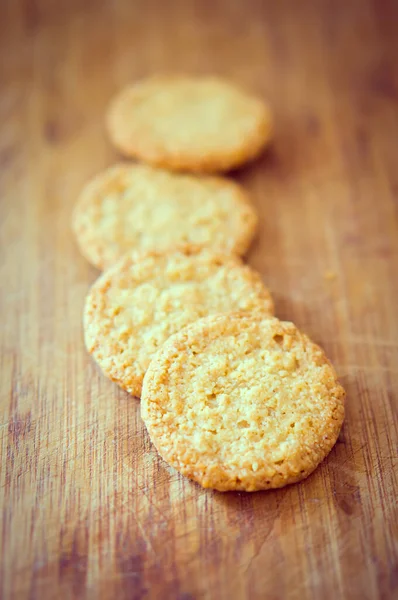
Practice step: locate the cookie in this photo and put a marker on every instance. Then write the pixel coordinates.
(242, 402)
(138, 207)
(201, 124)
(138, 303)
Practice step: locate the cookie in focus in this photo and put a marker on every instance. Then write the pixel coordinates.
(242, 402)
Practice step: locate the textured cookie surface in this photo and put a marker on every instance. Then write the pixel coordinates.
(139, 302)
(137, 207)
(242, 403)
(187, 123)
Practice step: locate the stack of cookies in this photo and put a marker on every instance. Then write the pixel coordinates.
(231, 396)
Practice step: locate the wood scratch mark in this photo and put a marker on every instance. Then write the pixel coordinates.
(257, 552)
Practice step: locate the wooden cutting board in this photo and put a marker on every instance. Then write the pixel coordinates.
(88, 508)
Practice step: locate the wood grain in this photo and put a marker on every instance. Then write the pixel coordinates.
(88, 508)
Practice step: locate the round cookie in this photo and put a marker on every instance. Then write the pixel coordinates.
(198, 124)
(137, 207)
(138, 303)
(242, 402)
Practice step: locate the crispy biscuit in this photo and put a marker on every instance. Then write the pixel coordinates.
(198, 124)
(138, 303)
(137, 207)
(241, 402)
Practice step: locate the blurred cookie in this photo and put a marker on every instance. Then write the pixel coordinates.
(138, 207)
(138, 303)
(198, 124)
(242, 402)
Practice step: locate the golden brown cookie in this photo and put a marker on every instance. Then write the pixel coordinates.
(139, 302)
(137, 207)
(198, 124)
(242, 402)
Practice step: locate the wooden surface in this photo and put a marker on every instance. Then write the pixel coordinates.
(88, 508)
